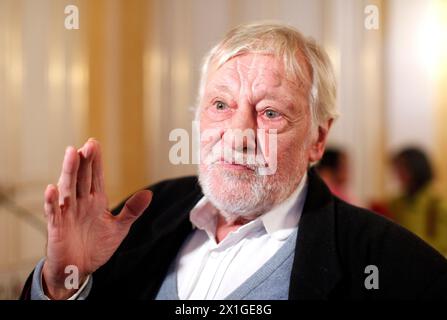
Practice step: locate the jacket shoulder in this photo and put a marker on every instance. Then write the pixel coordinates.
(182, 184)
(166, 191)
(365, 238)
(171, 201)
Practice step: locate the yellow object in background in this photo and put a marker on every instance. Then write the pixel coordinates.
(425, 214)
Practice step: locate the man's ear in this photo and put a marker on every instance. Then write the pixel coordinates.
(319, 142)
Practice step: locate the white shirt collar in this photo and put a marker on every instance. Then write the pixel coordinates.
(278, 222)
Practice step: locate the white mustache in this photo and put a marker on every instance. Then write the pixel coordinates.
(248, 159)
(253, 157)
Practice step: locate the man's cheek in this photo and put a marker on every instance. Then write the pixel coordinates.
(267, 143)
(209, 137)
(269, 156)
(289, 155)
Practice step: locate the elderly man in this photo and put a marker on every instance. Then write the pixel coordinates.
(235, 233)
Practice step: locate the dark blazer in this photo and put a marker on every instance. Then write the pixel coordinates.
(336, 242)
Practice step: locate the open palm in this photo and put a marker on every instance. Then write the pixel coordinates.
(81, 231)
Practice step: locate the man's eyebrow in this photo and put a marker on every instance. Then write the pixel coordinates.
(288, 101)
(273, 96)
(277, 97)
(221, 87)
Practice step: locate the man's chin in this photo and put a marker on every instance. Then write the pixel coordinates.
(235, 194)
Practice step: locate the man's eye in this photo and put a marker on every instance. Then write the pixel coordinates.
(220, 105)
(271, 114)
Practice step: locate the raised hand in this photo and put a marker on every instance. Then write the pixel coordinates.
(81, 230)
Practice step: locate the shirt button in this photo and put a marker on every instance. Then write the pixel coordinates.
(213, 254)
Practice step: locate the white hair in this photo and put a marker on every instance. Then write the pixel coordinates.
(288, 43)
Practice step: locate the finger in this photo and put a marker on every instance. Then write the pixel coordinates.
(51, 205)
(135, 206)
(84, 178)
(68, 178)
(97, 169)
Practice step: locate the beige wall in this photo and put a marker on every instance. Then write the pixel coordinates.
(440, 77)
(415, 75)
(59, 87)
(116, 35)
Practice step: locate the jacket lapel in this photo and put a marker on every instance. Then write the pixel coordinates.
(316, 268)
(175, 227)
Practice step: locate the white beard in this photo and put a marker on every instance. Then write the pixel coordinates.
(231, 198)
(248, 194)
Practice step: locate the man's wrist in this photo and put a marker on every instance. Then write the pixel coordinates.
(56, 289)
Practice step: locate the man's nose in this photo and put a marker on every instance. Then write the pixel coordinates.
(241, 136)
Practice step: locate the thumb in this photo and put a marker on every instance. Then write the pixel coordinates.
(135, 206)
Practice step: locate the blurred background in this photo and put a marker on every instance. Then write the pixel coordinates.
(129, 75)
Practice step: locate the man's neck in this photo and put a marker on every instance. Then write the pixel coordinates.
(224, 227)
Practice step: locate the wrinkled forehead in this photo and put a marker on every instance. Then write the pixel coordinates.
(257, 70)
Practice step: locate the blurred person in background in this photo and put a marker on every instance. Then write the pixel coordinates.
(334, 169)
(419, 207)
